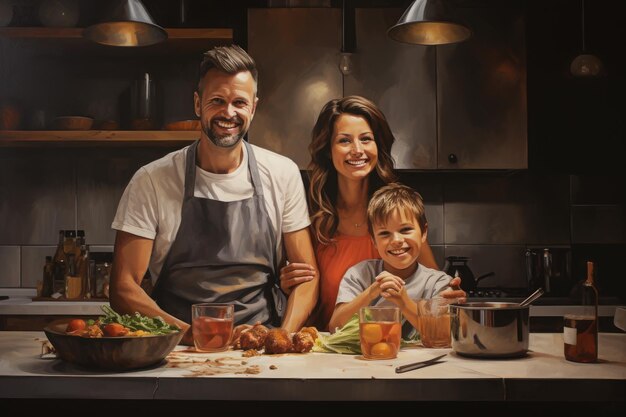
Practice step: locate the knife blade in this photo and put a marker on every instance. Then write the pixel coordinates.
(418, 365)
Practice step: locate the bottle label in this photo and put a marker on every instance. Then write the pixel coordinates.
(569, 336)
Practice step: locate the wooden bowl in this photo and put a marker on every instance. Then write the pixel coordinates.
(73, 123)
(111, 353)
(183, 125)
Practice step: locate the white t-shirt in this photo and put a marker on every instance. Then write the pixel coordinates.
(151, 204)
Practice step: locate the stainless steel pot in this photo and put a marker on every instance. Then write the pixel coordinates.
(489, 330)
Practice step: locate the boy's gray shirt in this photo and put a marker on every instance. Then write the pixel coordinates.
(423, 283)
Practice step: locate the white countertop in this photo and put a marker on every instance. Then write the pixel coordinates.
(26, 306)
(543, 375)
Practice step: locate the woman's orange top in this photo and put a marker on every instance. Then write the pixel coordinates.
(333, 261)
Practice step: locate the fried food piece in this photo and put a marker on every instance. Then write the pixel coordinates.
(237, 332)
(249, 340)
(312, 331)
(253, 338)
(278, 341)
(250, 353)
(261, 332)
(302, 342)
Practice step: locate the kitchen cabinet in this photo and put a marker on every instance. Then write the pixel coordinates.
(297, 54)
(460, 106)
(401, 80)
(55, 72)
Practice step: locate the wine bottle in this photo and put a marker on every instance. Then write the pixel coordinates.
(580, 331)
(60, 268)
(48, 278)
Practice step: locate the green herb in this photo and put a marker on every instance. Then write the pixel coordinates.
(155, 325)
(345, 340)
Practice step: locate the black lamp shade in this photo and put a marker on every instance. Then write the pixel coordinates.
(427, 22)
(127, 23)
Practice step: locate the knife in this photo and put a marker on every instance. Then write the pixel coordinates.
(418, 365)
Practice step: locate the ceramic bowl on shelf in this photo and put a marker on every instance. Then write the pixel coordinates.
(183, 125)
(72, 123)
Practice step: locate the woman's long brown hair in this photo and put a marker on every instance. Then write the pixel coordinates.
(323, 175)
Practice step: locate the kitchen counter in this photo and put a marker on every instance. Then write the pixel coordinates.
(543, 375)
(27, 307)
(20, 305)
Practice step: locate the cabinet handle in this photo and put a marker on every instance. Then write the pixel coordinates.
(452, 158)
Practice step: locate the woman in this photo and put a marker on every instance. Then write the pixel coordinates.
(350, 159)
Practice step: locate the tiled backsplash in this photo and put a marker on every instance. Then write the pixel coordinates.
(489, 216)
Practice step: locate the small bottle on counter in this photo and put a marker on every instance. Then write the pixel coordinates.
(69, 243)
(73, 282)
(48, 278)
(82, 270)
(580, 331)
(60, 268)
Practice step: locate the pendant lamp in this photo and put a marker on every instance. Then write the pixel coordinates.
(126, 23)
(585, 65)
(428, 22)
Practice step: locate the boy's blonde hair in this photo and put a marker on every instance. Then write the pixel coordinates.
(394, 197)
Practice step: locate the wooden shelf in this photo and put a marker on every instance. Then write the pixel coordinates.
(76, 33)
(180, 41)
(64, 138)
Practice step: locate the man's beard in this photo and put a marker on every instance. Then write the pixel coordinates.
(224, 141)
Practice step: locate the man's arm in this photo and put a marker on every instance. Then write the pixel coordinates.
(130, 263)
(303, 298)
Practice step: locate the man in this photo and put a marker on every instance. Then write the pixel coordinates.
(211, 220)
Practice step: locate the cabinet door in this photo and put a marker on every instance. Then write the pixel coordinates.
(400, 79)
(481, 93)
(297, 54)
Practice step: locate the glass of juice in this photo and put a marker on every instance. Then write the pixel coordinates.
(434, 322)
(380, 332)
(212, 326)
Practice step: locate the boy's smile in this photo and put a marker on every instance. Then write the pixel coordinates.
(399, 242)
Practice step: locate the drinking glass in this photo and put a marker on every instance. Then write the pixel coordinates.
(380, 332)
(212, 326)
(434, 322)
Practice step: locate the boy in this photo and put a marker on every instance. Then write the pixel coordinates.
(397, 224)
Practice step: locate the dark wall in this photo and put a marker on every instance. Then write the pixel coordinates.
(576, 125)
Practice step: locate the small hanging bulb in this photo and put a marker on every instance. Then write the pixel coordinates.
(345, 63)
(585, 65)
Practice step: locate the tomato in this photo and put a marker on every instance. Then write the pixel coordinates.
(382, 350)
(114, 330)
(371, 333)
(75, 325)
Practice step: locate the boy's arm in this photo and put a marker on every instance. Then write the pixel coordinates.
(344, 311)
(408, 307)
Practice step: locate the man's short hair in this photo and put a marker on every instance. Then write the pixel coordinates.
(229, 59)
(392, 197)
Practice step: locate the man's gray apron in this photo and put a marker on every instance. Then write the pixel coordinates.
(224, 252)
